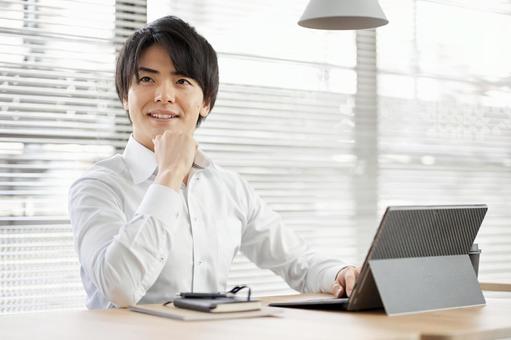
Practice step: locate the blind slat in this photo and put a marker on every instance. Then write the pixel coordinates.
(58, 115)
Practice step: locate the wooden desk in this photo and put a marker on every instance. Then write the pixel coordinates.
(497, 284)
(487, 322)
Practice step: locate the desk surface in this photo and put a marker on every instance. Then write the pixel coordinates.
(496, 284)
(490, 321)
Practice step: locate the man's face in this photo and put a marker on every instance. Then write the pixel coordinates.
(161, 100)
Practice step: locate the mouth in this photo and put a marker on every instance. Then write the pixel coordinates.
(163, 115)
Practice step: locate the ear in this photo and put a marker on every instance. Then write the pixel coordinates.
(204, 111)
(125, 104)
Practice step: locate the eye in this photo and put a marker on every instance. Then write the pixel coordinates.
(145, 79)
(184, 81)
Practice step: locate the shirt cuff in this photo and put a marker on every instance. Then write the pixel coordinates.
(161, 202)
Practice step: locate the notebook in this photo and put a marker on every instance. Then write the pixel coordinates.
(172, 312)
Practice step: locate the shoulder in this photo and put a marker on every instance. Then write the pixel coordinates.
(110, 167)
(110, 174)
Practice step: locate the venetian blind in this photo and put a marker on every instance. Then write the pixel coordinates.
(444, 112)
(283, 120)
(328, 128)
(58, 115)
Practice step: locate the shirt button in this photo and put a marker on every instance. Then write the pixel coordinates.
(177, 215)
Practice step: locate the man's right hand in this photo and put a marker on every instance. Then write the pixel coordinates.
(345, 281)
(175, 153)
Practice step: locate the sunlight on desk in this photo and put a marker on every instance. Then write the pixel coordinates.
(488, 322)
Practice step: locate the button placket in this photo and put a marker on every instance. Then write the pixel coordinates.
(193, 227)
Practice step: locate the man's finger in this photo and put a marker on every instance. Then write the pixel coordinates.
(357, 272)
(156, 139)
(337, 289)
(350, 279)
(340, 292)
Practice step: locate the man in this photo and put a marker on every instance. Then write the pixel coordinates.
(163, 218)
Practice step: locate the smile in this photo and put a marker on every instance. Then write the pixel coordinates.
(162, 116)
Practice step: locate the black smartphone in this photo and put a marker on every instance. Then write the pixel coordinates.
(191, 295)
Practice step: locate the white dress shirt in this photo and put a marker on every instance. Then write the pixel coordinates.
(141, 242)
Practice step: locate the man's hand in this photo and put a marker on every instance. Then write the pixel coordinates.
(345, 281)
(175, 152)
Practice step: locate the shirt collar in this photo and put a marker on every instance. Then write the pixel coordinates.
(142, 163)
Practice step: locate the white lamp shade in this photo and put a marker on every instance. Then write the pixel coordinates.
(343, 15)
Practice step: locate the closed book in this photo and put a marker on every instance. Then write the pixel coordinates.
(218, 305)
(172, 312)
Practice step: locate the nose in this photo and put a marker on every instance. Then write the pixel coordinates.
(165, 93)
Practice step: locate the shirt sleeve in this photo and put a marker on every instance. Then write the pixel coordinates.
(123, 258)
(269, 244)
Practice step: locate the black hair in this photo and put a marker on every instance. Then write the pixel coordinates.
(191, 54)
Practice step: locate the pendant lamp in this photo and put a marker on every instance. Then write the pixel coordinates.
(343, 15)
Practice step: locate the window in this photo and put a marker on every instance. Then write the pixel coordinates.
(444, 112)
(329, 127)
(58, 114)
(283, 119)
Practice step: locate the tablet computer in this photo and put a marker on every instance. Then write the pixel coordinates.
(407, 232)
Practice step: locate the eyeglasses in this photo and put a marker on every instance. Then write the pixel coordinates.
(236, 289)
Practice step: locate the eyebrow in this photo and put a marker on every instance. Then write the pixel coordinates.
(150, 70)
(147, 69)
